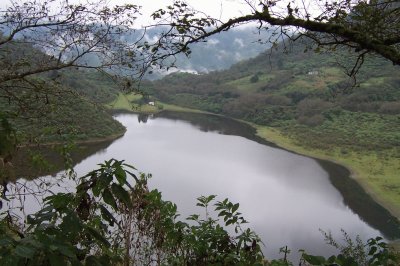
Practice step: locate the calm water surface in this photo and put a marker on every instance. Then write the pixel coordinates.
(287, 198)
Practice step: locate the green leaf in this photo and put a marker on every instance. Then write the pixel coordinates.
(109, 198)
(121, 194)
(98, 236)
(65, 250)
(120, 174)
(92, 260)
(314, 260)
(372, 251)
(235, 207)
(128, 165)
(25, 251)
(229, 222)
(331, 259)
(133, 175)
(103, 182)
(6, 241)
(55, 260)
(30, 241)
(107, 215)
(71, 224)
(60, 200)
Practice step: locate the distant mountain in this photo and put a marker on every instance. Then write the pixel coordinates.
(219, 52)
(223, 50)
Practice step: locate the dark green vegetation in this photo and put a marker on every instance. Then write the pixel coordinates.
(57, 105)
(303, 89)
(304, 94)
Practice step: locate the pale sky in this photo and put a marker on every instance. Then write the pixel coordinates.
(216, 8)
(222, 9)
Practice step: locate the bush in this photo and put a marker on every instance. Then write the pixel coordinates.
(312, 121)
(392, 108)
(311, 107)
(160, 106)
(278, 100)
(254, 78)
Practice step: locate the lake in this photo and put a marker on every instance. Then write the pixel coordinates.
(286, 197)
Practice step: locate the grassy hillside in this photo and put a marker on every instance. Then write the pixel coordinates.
(134, 102)
(305, 102)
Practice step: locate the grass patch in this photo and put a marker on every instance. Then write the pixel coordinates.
(127, 102)
(244, 84)
(176, 108)
(122, 102)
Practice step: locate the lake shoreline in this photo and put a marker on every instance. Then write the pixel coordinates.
(275, 137)
(340, 176)
(86, 141)
(251, 132)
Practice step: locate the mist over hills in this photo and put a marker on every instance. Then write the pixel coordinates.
(223, 50)
(216, 53)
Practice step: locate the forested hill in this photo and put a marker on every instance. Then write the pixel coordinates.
(305, 93)
(56, 105)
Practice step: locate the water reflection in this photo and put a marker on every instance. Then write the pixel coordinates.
(142, 118)
(50, 160)
(353, 194)
(355, 197)
(286, 197)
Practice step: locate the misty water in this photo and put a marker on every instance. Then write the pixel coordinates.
(287, 198)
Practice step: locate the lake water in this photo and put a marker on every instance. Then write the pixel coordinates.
(287, 198)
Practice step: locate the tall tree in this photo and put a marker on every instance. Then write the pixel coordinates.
(69, 35)
(39, 39)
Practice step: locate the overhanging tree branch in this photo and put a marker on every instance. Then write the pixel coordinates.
(372, 27)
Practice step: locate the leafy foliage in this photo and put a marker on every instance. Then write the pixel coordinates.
(113, 218)
(378, 253)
